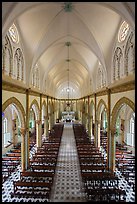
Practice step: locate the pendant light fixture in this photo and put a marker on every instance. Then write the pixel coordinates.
(68, 44)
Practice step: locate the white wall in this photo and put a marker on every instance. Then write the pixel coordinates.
(117, 96)
(9, 94)
(105, 99)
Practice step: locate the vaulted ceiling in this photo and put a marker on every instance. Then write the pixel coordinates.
(45, 28)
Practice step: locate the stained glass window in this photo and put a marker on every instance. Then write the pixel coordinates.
(123, 31)
(13, 32)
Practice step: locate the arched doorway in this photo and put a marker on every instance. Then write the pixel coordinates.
(92, 118)
(102, 118)
(34, 124)
(13, 127)
(44, 120)
(119, 132)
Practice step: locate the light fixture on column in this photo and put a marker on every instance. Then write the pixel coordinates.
(68, 60)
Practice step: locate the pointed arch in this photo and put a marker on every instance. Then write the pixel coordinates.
(101, 102)
(101, 77)
(18, 106)
(130, 54)
(92, 108)
(117, 108)
(7, 55)
(35, 103)
(117, 63)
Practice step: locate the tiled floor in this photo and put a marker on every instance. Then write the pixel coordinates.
(68, 183)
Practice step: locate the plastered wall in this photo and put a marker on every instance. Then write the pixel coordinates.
(31, 98)
(117, 96)
(104, 98)
(9, 94)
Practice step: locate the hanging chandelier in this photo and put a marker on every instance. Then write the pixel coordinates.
(68, 60)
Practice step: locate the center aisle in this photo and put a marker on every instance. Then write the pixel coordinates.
(67, 186)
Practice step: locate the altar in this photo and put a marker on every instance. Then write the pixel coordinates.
(68, 116)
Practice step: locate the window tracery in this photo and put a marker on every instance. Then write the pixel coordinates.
(35, 76)
(101, 80)
(13, 33)
(117, 63)
(130, 55)
(123, 31)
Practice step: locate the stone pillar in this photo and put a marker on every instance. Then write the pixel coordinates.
(27, 130)
(112, 151)
(98, 134)
(108, 128)
(14, 133)
(122, 131)
(45, 129)
(89, 125)
(95, 126)
(38, 133)
(23, 152)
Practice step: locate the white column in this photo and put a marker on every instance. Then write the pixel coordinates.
(38, 133)
(23, 152)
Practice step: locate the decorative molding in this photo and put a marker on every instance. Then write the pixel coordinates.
(8, 86)
(34, 93)
(23, 131)
(19, 107)
(123, 87)
(34, 102)
(101, 102)
(101, 93)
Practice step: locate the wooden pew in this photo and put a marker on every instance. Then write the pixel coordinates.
(43, 168)
(11, 158)
(13, 154)
(106, 195)
(89, 168)
(46, 176)
(29, 189)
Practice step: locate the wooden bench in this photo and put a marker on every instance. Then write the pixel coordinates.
(31, 189)
(43, 160)
(47, 176)
(13, 154)
(11, 158)
(52, 153)
(89, 168)
(15, 150)
(43, 167)
(112, 194)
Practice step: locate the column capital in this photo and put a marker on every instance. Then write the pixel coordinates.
(22, 131)
(113, 131)
(45, 117)
(38, 122)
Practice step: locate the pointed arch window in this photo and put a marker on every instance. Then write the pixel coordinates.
(131, 139)
(123, 31)
(35, 76)
(6, 134)
(5, 125)
(101, 77)
(13, 33)
(7, 56)
(117, 64)
(130, 55)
